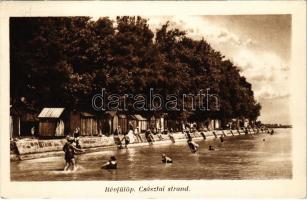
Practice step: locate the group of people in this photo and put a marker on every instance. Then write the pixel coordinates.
(70, 149)
(133, 133)
(72, 146)
(192, 146)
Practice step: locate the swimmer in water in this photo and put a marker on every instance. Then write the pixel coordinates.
(211, 148)
(166, 159)
(193, 146)
(272, 131)
(70, 151)
(111, 164)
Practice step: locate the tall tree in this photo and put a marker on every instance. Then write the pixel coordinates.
(64, 61)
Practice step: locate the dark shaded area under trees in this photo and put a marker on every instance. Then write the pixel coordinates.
(64, 61)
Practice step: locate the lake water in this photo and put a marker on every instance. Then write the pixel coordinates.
(238, 157)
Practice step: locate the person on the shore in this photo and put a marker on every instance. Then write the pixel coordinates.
(126, 139)
(221, 139)
(137, 135)
(70, 151)
(33, 132)
(116, 132)
(119, 130)
(193, 146)
(159, 135)
(166, 159)
(187, 132)
(111, 164)
(76, 137)
(171, 137)
(130, 126)
(149, 136)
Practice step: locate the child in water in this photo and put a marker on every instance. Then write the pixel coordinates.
(70, 151)
(193, 146)
(166, 159)
(111, 164)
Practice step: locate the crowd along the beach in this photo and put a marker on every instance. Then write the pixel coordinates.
(72, 146)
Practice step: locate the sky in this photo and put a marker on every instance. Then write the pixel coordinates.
(260, 45)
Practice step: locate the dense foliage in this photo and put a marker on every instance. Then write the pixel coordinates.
(64, 61)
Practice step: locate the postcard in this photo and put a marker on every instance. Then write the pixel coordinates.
(153, 99)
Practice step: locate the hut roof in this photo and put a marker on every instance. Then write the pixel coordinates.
(86, 114)
(122, 116)
(111, 113)
(51, 113)
(132, 117)
(140, 118)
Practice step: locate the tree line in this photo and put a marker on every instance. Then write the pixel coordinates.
(64, 61)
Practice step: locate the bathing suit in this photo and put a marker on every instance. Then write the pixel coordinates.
(149, 136)
(111, 165)
(69, 152)
(167, 160)
(127, 140)
(193, 147)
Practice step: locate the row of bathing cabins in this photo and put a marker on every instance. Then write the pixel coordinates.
(26, 121)
(59, 122)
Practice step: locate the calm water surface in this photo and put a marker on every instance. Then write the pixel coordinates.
(238, 157)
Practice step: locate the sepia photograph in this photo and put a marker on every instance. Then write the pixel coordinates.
(140, 98)
(150, 104)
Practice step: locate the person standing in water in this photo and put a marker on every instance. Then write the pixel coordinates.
(272, 132)
(70, 151)
(193, 146)
(116, 138)
(111, 164)
(149, 137)
(126, 140)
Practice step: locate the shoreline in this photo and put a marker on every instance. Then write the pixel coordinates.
(29, 149)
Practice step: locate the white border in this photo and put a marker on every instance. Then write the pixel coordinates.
(216, 188)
